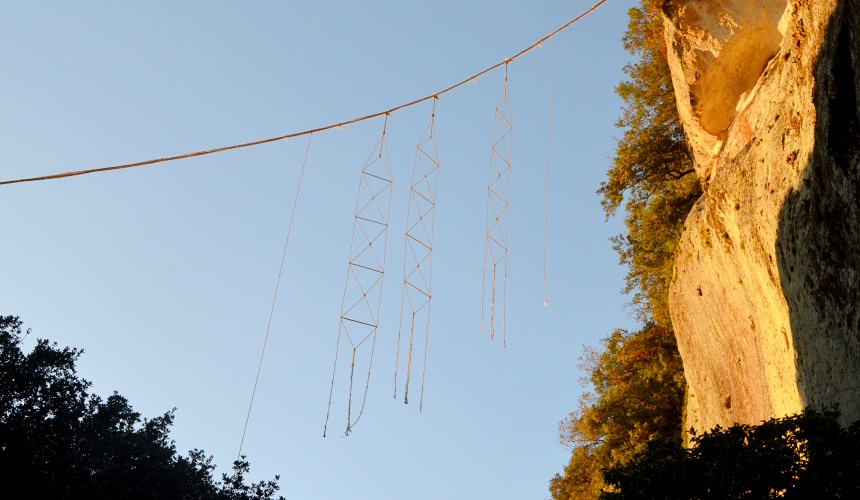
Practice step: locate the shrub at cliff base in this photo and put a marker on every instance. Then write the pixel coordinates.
(804, 456)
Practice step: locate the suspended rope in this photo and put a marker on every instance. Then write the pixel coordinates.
(362, 294)
(418, 252)
(315, 130)
(498, 200)
(546, 176)
(275, 295)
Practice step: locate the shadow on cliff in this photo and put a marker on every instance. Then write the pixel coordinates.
(818, 239)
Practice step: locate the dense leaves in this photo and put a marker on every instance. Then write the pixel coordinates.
(635, 401)
(637, 376)
(652, 169)
(638, 394)
(800, 456)
(59, 441)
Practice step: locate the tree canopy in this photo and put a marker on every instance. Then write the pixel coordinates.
(637, 377)
(59, 441)
(638, 394)
(652, 169)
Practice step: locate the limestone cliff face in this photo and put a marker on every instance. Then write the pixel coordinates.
(765, 298)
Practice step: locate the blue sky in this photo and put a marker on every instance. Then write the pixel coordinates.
(164, 274)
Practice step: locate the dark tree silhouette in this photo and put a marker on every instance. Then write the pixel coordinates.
(59, 441)
(808, 455)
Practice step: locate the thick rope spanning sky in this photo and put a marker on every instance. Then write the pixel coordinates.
(340, 124)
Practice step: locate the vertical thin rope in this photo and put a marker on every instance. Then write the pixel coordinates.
(424, 367)
(331, 390)
(400, 322)
(507, 219)
(275, 295)
(430, 274)
(409, 358)
(546, 176)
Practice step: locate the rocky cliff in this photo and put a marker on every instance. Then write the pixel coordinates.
(765, 297)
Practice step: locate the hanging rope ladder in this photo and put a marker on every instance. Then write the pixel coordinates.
(362, 295)
(417, 254)
(498, 200)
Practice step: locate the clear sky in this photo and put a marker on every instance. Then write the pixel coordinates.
(164, 275)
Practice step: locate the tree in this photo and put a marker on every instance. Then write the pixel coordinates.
(808, 455)
(652, 168)
(59, 441)
(638, 376)
(638, 396)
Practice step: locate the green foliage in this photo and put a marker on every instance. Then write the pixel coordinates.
(59, 441)
(582, 476)
(652, 169)
(638, 395)
(808, 455)
(637, 376)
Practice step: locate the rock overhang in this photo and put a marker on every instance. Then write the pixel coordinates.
(718, 50)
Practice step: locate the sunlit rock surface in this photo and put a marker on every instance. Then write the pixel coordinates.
(765, 299)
